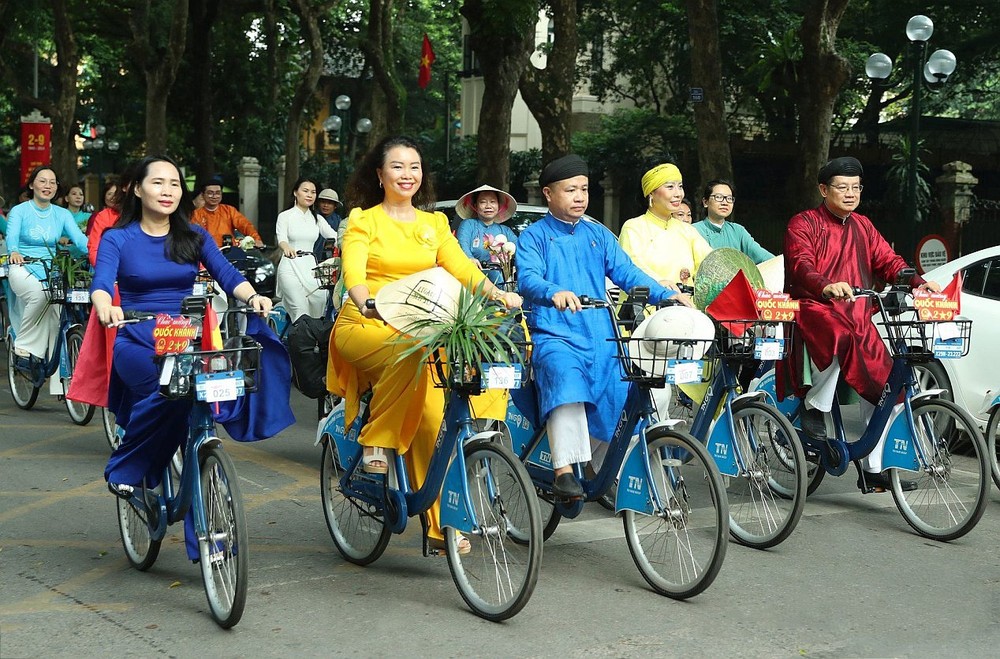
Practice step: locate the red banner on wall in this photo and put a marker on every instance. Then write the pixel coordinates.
(36, 146)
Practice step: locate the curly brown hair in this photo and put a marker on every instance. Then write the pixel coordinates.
(364, 189)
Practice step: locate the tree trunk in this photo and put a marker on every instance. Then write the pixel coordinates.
(203, 16)
(159, 64)
(715, 160)
(503, 57)
(549, 91)
(309, 17)
(378, 49)
(823, 74)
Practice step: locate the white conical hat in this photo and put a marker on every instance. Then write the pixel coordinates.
(465, 208)
(428, 294)
(674, 322)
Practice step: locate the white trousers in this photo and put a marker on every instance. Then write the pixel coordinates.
(820, 397)
(39, 319)
(569, 436)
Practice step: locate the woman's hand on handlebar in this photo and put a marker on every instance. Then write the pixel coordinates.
(564, 300)
(15, 258)
(110, 315)
(511, 300)
(839, 290)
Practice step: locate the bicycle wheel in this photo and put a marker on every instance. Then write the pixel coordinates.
(679, 549)
(140, 549)
(79, 413)
(22, 389)
(992, 430)
(112, 431)
(767, 497)
(950, 495)
(225, 551)
(496, 579)
(358, 529)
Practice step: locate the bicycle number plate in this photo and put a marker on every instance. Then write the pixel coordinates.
(217, 387)
(502, 376)
(3, 270)
(199, 288)
(78, 296)
(948, 348)
(683, 371)
(768, 349)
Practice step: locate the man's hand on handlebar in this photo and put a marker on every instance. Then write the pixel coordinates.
(564, 300)
(840, 290)
(931, 286)
(669, 285)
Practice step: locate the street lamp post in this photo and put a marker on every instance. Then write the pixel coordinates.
(97, 144)
(340, 123)
(933, 72)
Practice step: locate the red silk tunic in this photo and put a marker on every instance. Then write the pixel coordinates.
(821, 249)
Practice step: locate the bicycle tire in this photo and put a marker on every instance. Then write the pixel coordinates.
(496, 579)
(992, 430)
(22, 390)
(112, 431)
(225, 552)
(79, 413)
(358, 530)
(951, 490)
(140, 549)
(767, 497)
(696, 523)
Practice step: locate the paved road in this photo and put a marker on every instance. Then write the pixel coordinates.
(851, 581)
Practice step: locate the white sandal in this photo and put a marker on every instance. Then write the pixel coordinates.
(464, 546)
(376, 462)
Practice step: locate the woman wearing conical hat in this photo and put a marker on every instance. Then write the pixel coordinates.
(483, 212)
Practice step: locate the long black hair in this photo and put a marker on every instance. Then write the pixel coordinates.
(298, 184)
(364, 189)
(183, 242)
(34, 174)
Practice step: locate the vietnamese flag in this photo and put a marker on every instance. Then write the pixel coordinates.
(426, 59)
(736, 301)
(211, 335)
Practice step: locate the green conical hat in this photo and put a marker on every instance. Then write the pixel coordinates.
(718, 269)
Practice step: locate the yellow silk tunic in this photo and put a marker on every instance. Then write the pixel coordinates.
(662, 248)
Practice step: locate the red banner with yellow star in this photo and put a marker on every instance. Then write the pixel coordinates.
(426, 59)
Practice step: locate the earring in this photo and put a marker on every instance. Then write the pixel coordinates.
(380, 183)
(650, 200)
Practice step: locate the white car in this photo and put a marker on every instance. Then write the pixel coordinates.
(970, 378)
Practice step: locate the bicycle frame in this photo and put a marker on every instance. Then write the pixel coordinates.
(445, 473)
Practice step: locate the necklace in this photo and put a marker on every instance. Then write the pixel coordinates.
(39, 213)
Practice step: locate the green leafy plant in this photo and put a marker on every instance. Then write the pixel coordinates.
(898, 177)
(75, 270)
(463, 338)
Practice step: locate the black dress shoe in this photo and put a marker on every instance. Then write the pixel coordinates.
(813, 422)
(567, 487)
(880, 482)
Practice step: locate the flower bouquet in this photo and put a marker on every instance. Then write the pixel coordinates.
(501, 252)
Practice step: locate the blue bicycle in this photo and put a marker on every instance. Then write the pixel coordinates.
(207, 483)
(485, 494)
(667, 487)
(921, 437)
(27, 375)
(754, 445)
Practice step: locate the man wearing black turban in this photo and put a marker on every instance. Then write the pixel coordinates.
(561, 257)
(828, 250)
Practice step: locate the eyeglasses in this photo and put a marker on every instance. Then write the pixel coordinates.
(843, 187)
(723, 197)
(212, 194)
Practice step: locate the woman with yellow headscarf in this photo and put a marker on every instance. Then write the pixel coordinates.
(665, 248)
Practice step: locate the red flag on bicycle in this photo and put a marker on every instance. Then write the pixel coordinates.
(736, 301)
(211, 334)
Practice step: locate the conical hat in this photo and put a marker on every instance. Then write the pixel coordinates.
(718, 269)
(428, 294)
(466, 208)
(675, 322)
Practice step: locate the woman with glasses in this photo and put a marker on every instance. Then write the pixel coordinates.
(719, 199)
(663, 246)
